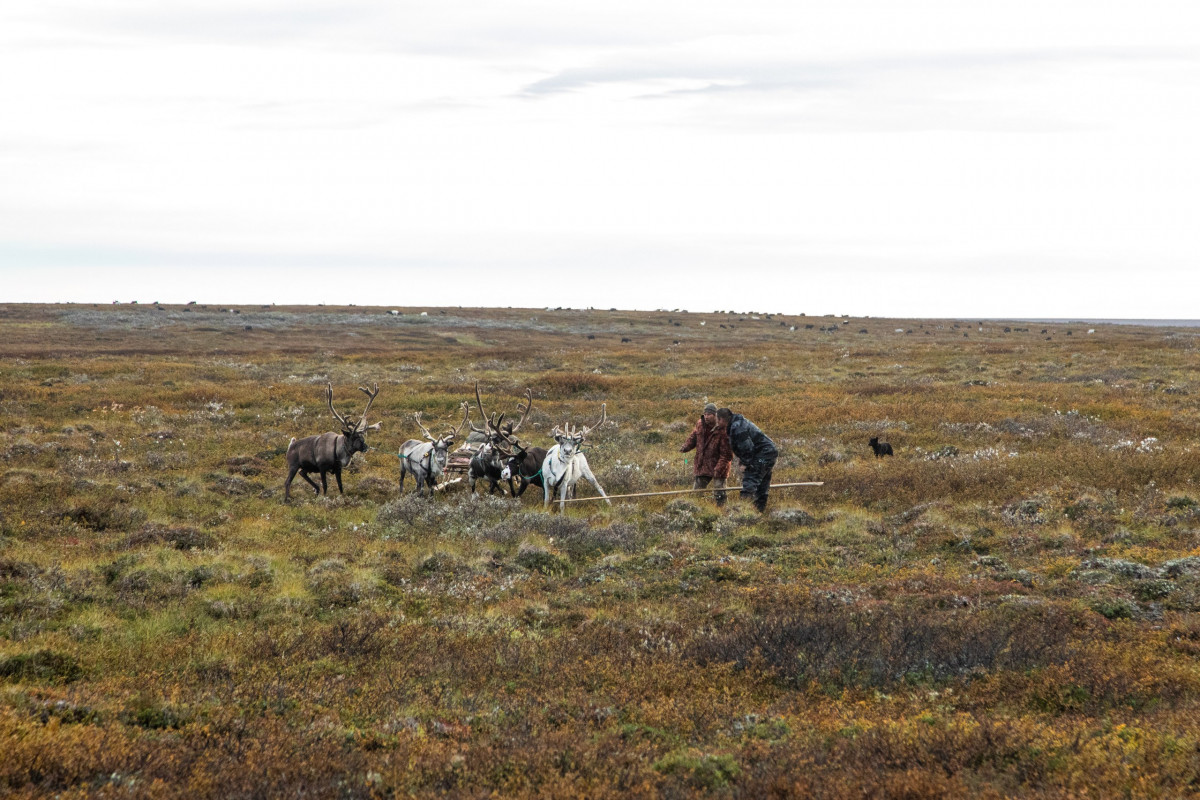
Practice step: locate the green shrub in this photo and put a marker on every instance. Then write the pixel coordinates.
(334, 585)
(750, 543)
(716, 573)
(1114, 607)
(441, 563)
(147, 712)
(41, 665)
(884, 644)
(104, 514)
(181, 538)
(539, 559)
(701, 770)
(1150, 590)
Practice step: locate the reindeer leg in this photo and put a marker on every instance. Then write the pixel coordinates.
(287, 485)
(304, 474)
(324, 484)
(337, 473)
(403, 472)
(587, 473)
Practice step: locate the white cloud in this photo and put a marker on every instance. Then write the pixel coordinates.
(814, 147)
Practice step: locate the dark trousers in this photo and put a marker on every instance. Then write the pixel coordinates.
(756, 481)
(702, 482)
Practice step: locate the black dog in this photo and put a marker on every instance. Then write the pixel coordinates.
(881, 448)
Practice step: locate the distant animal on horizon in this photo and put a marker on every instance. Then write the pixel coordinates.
(881, 448)
(329, 452)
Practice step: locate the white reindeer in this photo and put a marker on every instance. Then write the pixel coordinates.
(427, 460)
(565, 463)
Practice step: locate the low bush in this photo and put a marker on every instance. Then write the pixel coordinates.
(41, 666)
(333, 584)
(701, 770)
(883, 645)
(181, 537)
(539, 559)
(104, 514)
(1114, 607)
(443, 564)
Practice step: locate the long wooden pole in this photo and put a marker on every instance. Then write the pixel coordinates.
(685, 491)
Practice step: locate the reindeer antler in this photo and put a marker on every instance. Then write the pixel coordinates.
(528, 406)
(498, 444)
(466, 414)
(479, 402)
(466, 405)
(428, 435)
(332, 410)
(603, 416)
(493, 422)
(370, 393)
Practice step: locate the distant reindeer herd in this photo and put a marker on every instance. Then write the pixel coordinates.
(494, 451)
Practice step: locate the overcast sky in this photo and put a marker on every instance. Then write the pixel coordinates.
(852, 157)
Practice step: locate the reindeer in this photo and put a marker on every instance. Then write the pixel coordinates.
(524, 463)
(487, 464)
(565, 463)
(329, 452)
(491, 460)
(427, 460)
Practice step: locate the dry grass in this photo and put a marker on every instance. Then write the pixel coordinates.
(1005, 608)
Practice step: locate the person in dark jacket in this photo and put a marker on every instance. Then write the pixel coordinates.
(757, 453)
(710, 440)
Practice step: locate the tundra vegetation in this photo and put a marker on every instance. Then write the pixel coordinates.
(1004, 608)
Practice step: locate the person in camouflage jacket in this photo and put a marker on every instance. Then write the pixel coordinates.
(710, 440)
(757, 453)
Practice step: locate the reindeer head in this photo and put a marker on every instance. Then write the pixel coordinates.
(570, 439)
(512, 459)
(355, 432)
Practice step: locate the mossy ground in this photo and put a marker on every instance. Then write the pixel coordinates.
(1005, 608)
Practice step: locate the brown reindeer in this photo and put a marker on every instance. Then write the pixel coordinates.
(489, 462)
(329, 452)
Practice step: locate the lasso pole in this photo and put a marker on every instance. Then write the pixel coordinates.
(685, 491)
